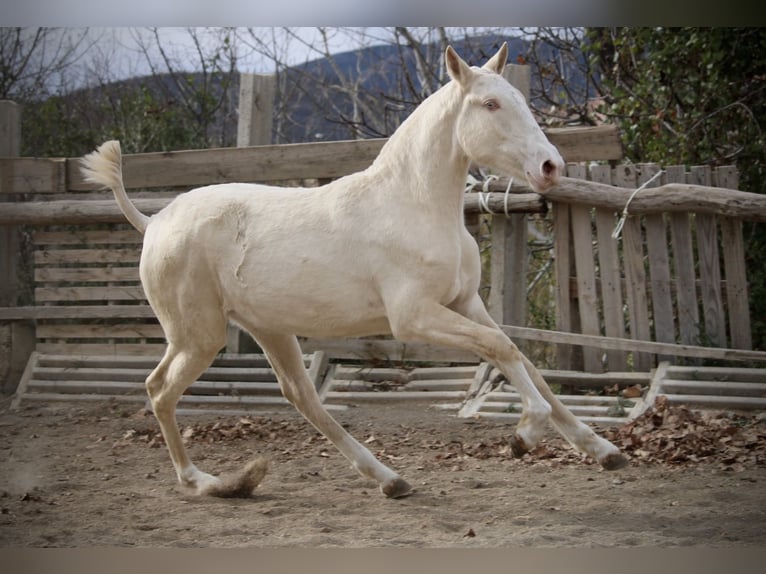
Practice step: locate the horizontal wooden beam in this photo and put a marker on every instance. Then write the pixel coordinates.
(76, 312)
(670, 197)
(316, 160)
(85, 211)
(619, 344)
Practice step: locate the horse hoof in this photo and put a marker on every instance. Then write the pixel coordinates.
(242, 484)
(518, 447)
(614, 461)
(397, 488)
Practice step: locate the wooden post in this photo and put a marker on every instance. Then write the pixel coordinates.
(256, 109)
(256, 113)
(507, 302)
(733, 246)
(16, 338)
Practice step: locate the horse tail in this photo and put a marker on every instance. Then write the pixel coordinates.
(104, 167)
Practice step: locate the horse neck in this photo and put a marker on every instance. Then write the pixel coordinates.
(422, 160)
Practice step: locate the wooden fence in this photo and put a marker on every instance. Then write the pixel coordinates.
(676, 277)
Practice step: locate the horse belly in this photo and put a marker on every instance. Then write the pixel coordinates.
(306, 296)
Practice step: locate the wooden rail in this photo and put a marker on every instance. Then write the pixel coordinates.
(264, 163)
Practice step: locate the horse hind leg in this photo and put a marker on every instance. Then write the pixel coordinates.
(579, 434)
(286, 359)
(178, 369)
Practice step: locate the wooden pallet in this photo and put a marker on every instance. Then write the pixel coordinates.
(444, 386)
(495, 398)
(720, 388)
(233, 383)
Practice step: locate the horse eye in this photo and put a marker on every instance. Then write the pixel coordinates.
(491, 105)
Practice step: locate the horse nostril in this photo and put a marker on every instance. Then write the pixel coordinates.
(549, 169)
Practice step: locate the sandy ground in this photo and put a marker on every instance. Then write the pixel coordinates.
(98, 475)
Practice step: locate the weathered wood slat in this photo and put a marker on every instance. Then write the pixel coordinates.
(101, 348)
(92, 211)
(88, 237)
(645, 346)
(737, 296)
(717, 402)
(75, 386)
(732, 243)
(91, 255)
(562, 265)
(584, 143)
(635, 273)
(260, 163)
(569, 400)
(76, 312)
(670, 197)
(659, 267)
(360, 396)
(727, 388)
(32, 175)
(86, 274)
(722, 374)
(90, 331)
(683, 264)
(80, 294)
(114, 373)
(609, 273)
(375, 350)
(586, 281)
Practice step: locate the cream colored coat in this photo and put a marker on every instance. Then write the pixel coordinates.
(381, 251)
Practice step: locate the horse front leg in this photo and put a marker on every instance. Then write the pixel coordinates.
(576, 432)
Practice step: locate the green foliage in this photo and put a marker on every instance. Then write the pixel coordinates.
(692, 96)
(134, 113)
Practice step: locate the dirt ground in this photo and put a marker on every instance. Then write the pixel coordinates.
(99, 475)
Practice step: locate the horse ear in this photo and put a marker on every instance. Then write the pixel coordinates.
(456, 67)
(497, 62)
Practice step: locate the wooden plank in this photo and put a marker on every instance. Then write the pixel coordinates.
(610, 274)
(710, 277)
(634, 345)
(719, 373)
(659, 267)
(86, 331)
(737, 292)
(716, 402)
(102, 348)
(561, 265)
(508, 269)
(582, 235)
(305, 160)
(86, 275)
(119, 234)
(76, 312)
(732, 243)
(670, 197)
(635, 273)
(727, 388)
(386, 350)
(710, 267)
(128, 254)
(32, 175)
(583, 143)
(260, 163)
(265, 163)
(687, 304)
(91, 211)
(82, 294)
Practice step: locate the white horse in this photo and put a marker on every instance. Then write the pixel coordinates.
(382, 251)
